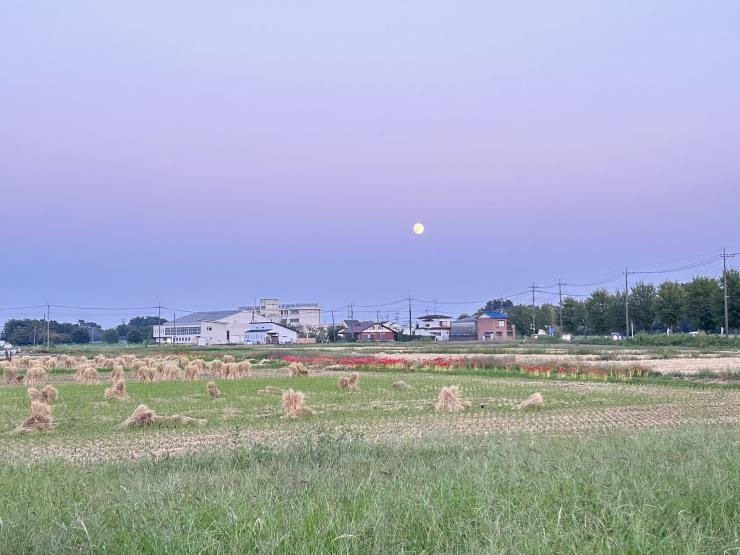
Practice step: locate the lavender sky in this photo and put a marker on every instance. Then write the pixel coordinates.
(201, 154)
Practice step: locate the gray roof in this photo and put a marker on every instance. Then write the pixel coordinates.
(197, 317)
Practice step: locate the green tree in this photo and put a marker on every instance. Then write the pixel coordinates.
(495, 305)
(574, 313)
(79, 335)
(110, 336)
(670, 303)
(521, 317)
(134, 336)
(703, 303)
(547, 315)
(642, 306)
(597, 308)
(733, 302)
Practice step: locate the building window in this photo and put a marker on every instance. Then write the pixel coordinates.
(501, 323)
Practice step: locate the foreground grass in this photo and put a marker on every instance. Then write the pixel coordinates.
(649, 492)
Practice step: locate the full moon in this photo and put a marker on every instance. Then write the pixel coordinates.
(418, 228)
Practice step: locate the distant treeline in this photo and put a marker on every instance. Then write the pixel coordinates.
(681, 307)
(28, 331)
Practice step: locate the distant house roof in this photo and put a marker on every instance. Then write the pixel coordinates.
(435, 317)
(197, 317)
(359, 327)
(494, 314)
(256, 327)
(470, 319)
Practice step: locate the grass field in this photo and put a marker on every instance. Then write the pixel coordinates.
(641, 466)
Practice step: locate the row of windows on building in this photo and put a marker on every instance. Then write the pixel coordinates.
(185, 330)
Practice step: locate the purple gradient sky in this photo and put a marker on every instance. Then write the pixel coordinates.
(204, 154)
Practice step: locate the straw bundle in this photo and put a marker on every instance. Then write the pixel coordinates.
(449, 400)
(213, 389)
(144, 416)
(40, 418)
(534, 400)
(348, 382)
(118, 391)
(293, 404)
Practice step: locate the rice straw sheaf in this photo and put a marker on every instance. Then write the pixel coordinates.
(297, 369)
(449, 400)
(213, 389)
(49, 394)
(293, 404)
(40, 418)
(144, 416)
(349, 382)
(118, 391)
(534, 400)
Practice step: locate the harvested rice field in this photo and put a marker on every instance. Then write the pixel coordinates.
(299, 455)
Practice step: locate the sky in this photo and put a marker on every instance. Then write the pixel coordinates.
(199, 155)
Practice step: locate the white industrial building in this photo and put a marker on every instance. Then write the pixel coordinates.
(295, 315)
(269, 333)
(219, 327)
(223, 327)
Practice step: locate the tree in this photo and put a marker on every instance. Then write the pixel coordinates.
(642, 306)
(733, 302)
(142, 323)
(495, 305)
(80, 335)
(134, 336)
(521, 317)
(574, 314)
(704, 303)
(670, 303)
(110, 336)
(596, 308)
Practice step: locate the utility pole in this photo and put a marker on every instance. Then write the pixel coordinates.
(351, 312)
(725, 256)
(411, 332)
(159, 323)
(48, 326)
(333, 327)
(626, 304)
(560, 293)
(534, 312)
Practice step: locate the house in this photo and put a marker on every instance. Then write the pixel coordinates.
(463, 329)
(215, 327)
(488, 326)
(367, 331)
(434, 325)
(492, 325)
(269, 333)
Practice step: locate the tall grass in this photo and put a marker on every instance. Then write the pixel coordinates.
(650, 492)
